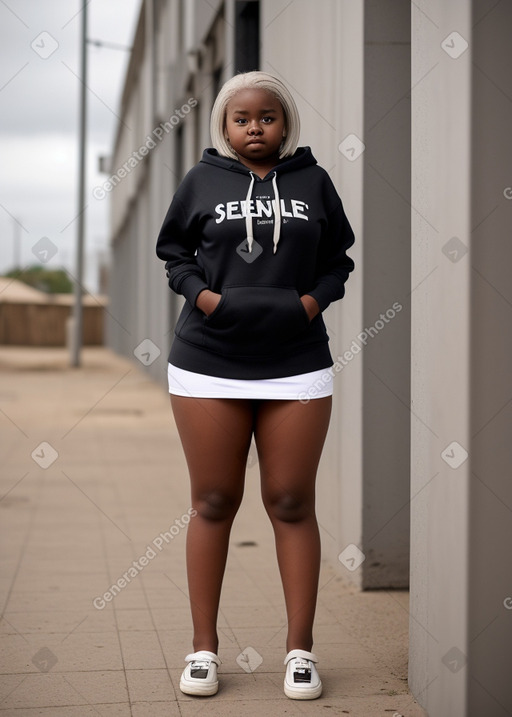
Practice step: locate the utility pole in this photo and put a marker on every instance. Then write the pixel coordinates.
(16, 244)
(77, 325)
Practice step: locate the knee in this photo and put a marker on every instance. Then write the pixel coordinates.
(288, 508)
(217, 506)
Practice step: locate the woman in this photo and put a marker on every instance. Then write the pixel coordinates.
(255, 240)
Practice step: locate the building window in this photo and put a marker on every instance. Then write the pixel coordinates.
(179, 161)
(217, 81)
(247, 35)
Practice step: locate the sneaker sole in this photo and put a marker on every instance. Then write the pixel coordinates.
(295, 693)
(193, 688)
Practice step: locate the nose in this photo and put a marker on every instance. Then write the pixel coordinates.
(254, 128)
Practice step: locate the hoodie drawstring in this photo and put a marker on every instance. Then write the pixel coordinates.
(248, 218)
(277, 214)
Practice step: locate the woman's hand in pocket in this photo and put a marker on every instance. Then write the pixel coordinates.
(310, 305)
(207, 301)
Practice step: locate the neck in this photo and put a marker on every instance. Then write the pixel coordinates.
(261, 169)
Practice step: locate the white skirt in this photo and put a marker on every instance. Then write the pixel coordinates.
(302, 387)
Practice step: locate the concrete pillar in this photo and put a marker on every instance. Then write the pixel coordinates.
(367, 454)
(461, 493)
(385, 335)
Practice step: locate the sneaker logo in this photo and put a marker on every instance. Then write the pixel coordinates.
(302, 675)
(302, 672)
(199, 670)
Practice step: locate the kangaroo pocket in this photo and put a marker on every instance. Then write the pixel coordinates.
(255, 320)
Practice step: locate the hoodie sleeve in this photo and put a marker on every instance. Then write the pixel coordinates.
(176, 245)
(334, 265)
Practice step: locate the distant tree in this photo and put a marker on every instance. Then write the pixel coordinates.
(51, 281)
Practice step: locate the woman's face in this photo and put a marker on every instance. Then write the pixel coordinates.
(255, 126)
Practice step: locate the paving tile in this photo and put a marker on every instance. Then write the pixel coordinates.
(173, 617)
(160, 709)
(134, 620)
(99, 687)
(149, 686)
(141, 650)
(255, 615)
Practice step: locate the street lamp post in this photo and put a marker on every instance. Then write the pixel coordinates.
(77, 326)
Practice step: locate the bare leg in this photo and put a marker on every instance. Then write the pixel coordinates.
(289, 437)
(216, 435)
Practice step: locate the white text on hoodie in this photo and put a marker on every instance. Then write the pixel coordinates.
(259, 208)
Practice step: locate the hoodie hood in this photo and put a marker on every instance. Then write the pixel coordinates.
(302, 157)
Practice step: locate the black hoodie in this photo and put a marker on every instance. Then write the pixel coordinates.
(226, 232)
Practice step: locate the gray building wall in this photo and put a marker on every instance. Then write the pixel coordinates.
(421, 341)
(461, 617)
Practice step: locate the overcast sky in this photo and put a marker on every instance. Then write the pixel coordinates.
(39, 119)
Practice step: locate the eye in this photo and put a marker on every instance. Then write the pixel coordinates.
(267, 120)
(240, 121)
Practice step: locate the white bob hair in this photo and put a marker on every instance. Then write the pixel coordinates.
(255, 80)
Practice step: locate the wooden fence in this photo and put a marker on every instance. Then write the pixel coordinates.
(38, 324)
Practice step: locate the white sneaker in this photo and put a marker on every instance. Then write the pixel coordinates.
(301, 681)
(200, 675)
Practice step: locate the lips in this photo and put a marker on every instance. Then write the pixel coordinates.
(255, 141)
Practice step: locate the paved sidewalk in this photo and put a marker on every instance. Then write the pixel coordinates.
(95, 488)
